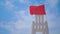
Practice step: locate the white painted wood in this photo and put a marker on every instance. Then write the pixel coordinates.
(39, 25)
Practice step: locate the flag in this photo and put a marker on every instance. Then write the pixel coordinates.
(37, 10)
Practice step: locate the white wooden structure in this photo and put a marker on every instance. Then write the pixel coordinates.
(39, 25)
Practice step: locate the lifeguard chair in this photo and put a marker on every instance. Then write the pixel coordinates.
(39, 25)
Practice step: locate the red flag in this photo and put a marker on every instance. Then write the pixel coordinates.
(37, 10)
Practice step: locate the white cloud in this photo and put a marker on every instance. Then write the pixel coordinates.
(9, 5)
(49, 18)
(15, 26)
(51, 3)
(27, 2)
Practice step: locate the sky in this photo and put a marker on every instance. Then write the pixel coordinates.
(15, 16)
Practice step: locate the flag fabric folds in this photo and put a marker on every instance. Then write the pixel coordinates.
(37, 10)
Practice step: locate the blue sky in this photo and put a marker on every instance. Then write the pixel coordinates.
(16, 19)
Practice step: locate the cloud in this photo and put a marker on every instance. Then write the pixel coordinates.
(51, 12)
(9, 5)
(23, 21)
(27, 2)
(51, 18)
(52, 3)
(15, 27)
